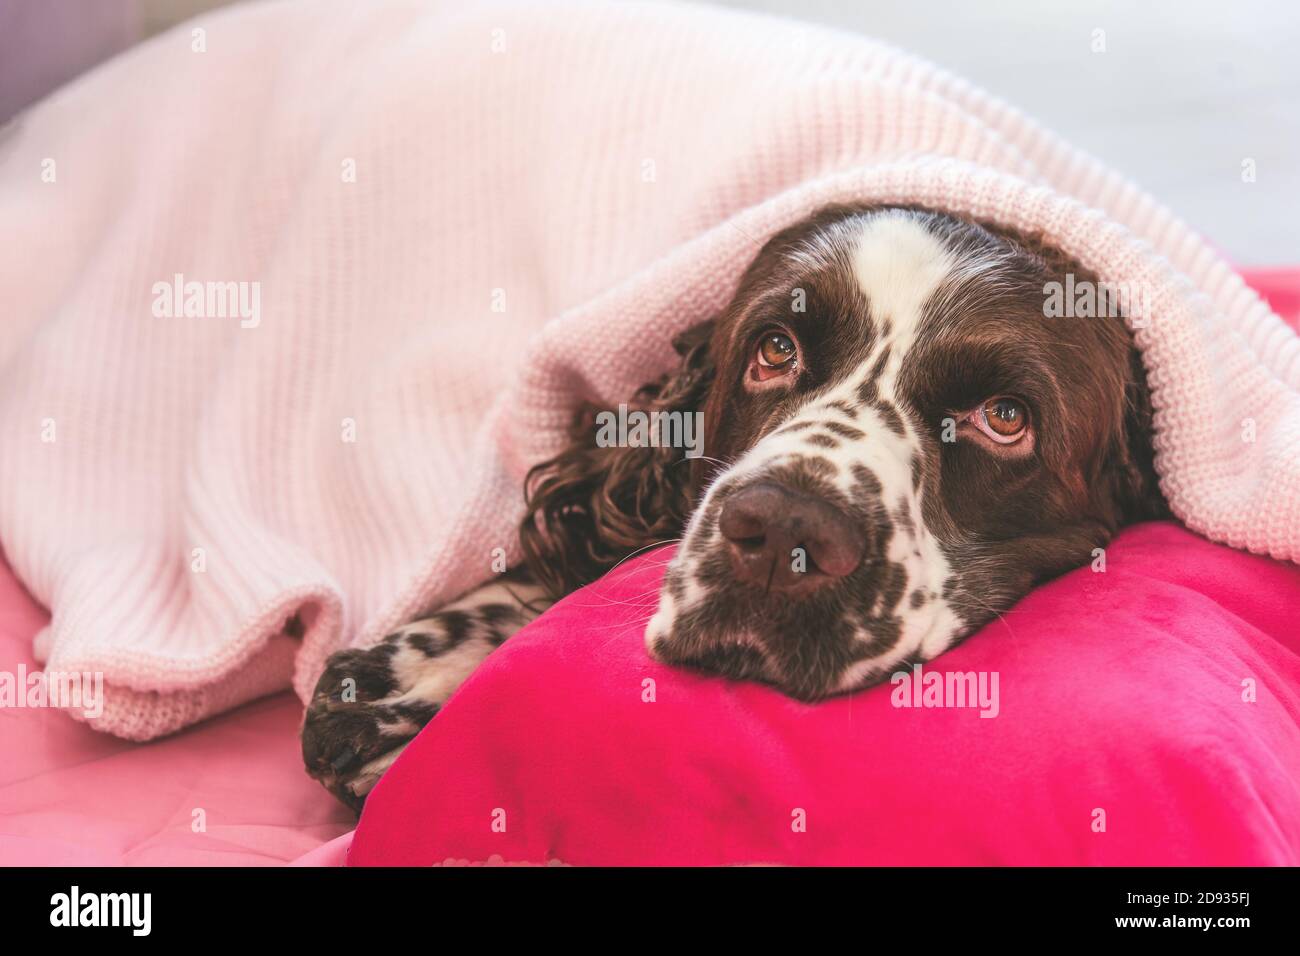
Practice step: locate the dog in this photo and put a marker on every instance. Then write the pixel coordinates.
(901, 443)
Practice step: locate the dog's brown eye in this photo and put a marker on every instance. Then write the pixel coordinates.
(1005, 417)
(776, 350)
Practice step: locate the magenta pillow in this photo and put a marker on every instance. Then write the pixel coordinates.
(1126, 733)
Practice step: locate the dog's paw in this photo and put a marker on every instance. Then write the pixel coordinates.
(367, 706)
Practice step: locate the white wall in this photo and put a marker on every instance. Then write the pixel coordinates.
(1183, 93)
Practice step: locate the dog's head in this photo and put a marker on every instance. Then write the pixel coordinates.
(902, 443)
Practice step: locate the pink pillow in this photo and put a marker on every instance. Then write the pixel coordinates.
(1123, 735)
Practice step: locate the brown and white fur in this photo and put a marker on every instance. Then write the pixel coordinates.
(899, 445)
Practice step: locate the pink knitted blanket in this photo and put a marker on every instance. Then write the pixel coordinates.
(294, 296)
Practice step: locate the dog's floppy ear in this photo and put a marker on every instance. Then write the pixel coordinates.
(589, 507)
(1128, 483)
(1137, 485)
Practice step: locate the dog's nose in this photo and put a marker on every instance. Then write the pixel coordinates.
(788, 540)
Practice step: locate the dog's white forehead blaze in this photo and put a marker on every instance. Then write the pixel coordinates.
(898, 264)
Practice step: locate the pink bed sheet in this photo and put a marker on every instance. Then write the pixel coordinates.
(227, 792)
(71, 796)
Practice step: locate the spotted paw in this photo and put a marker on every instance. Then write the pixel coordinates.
(361, 716)
(370, 703)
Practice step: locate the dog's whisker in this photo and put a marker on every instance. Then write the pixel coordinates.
(648, 547)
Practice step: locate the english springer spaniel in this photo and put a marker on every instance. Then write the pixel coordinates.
(900, 444)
